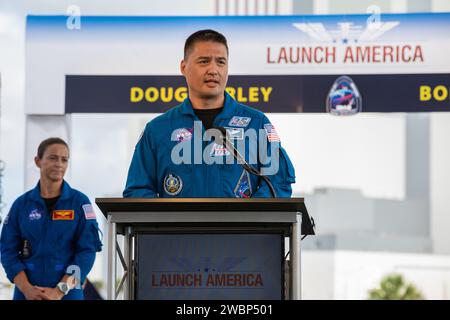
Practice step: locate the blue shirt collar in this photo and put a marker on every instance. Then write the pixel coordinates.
(229, 107)
(65, 192)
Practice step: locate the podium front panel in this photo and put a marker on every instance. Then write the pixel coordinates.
(210, 266)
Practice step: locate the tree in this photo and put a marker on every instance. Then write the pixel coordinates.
(393, 287)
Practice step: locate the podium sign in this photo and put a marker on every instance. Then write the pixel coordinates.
(210, 266)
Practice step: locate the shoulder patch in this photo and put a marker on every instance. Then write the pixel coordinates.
(89, 212)
(182, 134)
(272, 134)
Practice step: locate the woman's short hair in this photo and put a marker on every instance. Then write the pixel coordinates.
(48, 142)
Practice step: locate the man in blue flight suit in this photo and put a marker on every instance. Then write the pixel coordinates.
(174, 158)
(50, 237)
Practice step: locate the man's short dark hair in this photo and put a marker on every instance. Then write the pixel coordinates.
(47, 143)
(204, 36)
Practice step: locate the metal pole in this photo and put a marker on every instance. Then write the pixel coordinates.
(296, 259)
(127, 258)
(111, 283)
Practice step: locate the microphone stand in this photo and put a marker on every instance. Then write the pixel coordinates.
(240, 159)
(309, 224)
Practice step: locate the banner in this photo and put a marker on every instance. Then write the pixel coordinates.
(342, 64)
(284, 93)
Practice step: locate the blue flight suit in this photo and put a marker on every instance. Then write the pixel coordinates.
(67, 236)
(152, 172)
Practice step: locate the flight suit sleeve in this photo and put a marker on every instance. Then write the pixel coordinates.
(141, 180)
(10, 244)
(87, 241)
(275, 164)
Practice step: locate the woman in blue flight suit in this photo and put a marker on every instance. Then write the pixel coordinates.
(50, 237)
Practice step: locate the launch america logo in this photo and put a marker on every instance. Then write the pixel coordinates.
(346, 32)
(346, 43)
(207, 274)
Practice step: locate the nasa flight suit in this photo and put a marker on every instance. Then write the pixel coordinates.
(154, 173)
(62, 241)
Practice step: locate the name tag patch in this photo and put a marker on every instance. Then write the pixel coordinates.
(63, 215)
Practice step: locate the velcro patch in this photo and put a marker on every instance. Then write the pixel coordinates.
(272, 134)
(63, 215)
(89, 212)
(243, 188)
(219, 150)
(239, 121)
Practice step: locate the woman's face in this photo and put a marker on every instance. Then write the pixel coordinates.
(54, 162)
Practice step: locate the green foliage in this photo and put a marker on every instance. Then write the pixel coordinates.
(98, 284)
(393, 287)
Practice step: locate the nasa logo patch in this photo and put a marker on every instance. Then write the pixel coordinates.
(35, 215)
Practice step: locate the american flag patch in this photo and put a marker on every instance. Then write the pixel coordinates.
(272, 134)
(89, 212)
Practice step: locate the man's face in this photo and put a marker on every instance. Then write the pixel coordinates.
(206, 69)
(54, 162)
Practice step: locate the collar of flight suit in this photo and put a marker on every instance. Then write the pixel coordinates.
(229, 108)
(65, 192)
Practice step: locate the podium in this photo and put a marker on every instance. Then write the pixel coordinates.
(205, 248)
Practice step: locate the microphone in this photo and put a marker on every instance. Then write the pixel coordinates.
(241, 160)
